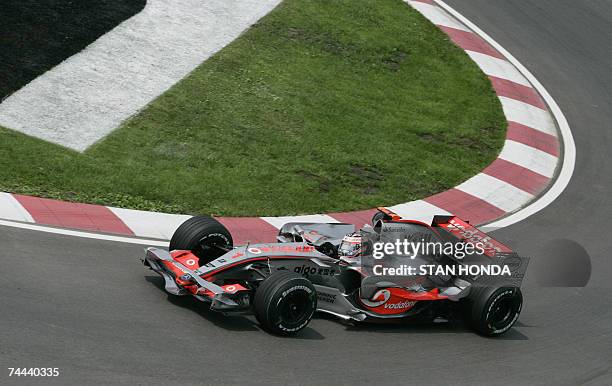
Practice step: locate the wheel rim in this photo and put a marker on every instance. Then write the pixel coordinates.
(295, 309)
(212, 246)
(503, 312)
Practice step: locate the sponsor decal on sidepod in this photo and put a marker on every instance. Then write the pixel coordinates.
(381, 298)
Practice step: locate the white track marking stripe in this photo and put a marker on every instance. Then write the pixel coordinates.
(496, 192)
(419, 210)
(11, 209)
(150, 224)
(436, 15)
(499, 68)
(528, 115)
(87, 235)
(530, 158)
(278, 222)
(90, 94)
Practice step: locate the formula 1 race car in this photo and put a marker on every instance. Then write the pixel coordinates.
(331, 268)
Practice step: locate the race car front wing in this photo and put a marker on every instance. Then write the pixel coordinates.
(221, 298)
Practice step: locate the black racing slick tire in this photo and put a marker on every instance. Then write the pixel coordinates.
(204, 236)
(284, 303)
(492, 311)
(379, 216)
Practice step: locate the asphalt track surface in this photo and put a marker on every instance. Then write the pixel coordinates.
(90, 308)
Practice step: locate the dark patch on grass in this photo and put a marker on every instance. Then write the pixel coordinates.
(474, 143)
(172, 150)
(322, 39)
(368, 178)
(36, 35)
(430, 137)
(321, 184)
(394, 60)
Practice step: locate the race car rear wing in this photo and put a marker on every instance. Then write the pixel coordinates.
(460, 229)
(494, 253)
(469, 234)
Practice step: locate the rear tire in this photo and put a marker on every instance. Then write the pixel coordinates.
(492, 311)
(285, 302)
(204, 236)
(379, 216)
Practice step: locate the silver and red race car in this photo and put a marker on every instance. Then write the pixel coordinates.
(332, 268)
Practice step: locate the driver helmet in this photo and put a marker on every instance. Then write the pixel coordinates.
(351, 246)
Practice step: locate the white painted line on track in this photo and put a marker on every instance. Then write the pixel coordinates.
(528, 115)
(11, 209)
(87, 235)
(569, 148)
(496, 192)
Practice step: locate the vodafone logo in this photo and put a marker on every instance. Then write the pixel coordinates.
(233, 288)
(255, 251)
(190, 262)
(378, 299)
(401, 305)
(382, 297)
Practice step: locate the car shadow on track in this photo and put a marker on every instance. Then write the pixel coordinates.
(247, 323)
(421, 327)
(232, 323)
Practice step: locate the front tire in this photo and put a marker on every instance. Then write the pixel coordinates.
(494, 310)
(285, 302)
(204, 236)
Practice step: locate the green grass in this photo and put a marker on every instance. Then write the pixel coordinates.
(321, 106)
